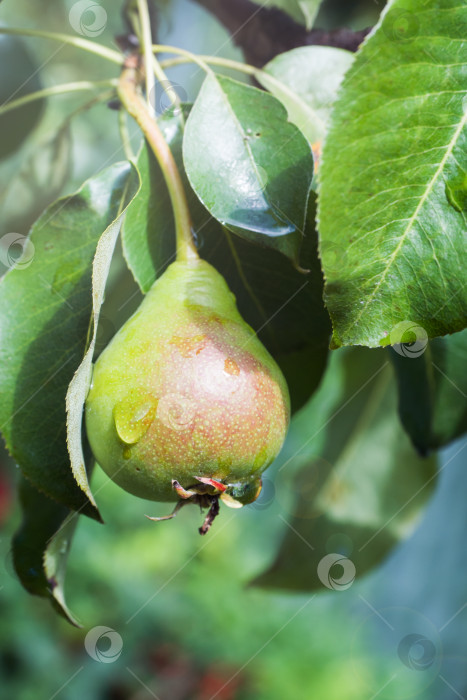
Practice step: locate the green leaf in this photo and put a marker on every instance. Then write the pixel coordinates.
(306, 80)
(283, 305)
(38, 182)
(309, 10)
(79, 385)
(392, 219)
(41, 546)
(250, 167)
(433, 390)
(362, 485)
(302, 11)
(16, 83)
(45, 316)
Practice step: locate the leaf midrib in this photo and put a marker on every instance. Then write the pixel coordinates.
(245, 141)
(414, 216)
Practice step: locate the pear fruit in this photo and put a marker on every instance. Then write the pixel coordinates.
(185, 401)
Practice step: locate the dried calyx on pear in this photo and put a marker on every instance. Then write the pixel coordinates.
(186, 404)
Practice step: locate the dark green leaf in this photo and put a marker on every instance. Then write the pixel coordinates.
(41, 546)
(391, 217)
(433, 390)
(283, 305)
(306, 81)
(251, 168)
(362, 485)
(45, 316)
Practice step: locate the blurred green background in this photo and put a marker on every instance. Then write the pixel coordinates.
(183, 616)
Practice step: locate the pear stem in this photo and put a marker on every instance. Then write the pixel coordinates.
(131, 99)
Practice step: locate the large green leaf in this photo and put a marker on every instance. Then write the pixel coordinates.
(433, 390)
(251, 168)
(41, 546)
(283, 305)
(45, 316)
(302, 11)
(392, 213)
(306, 80)
(362, 485)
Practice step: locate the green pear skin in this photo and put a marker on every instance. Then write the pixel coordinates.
(186, 389)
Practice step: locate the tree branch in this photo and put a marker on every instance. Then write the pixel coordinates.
(263, 33)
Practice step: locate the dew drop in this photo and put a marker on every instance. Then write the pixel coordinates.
(133, 415)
